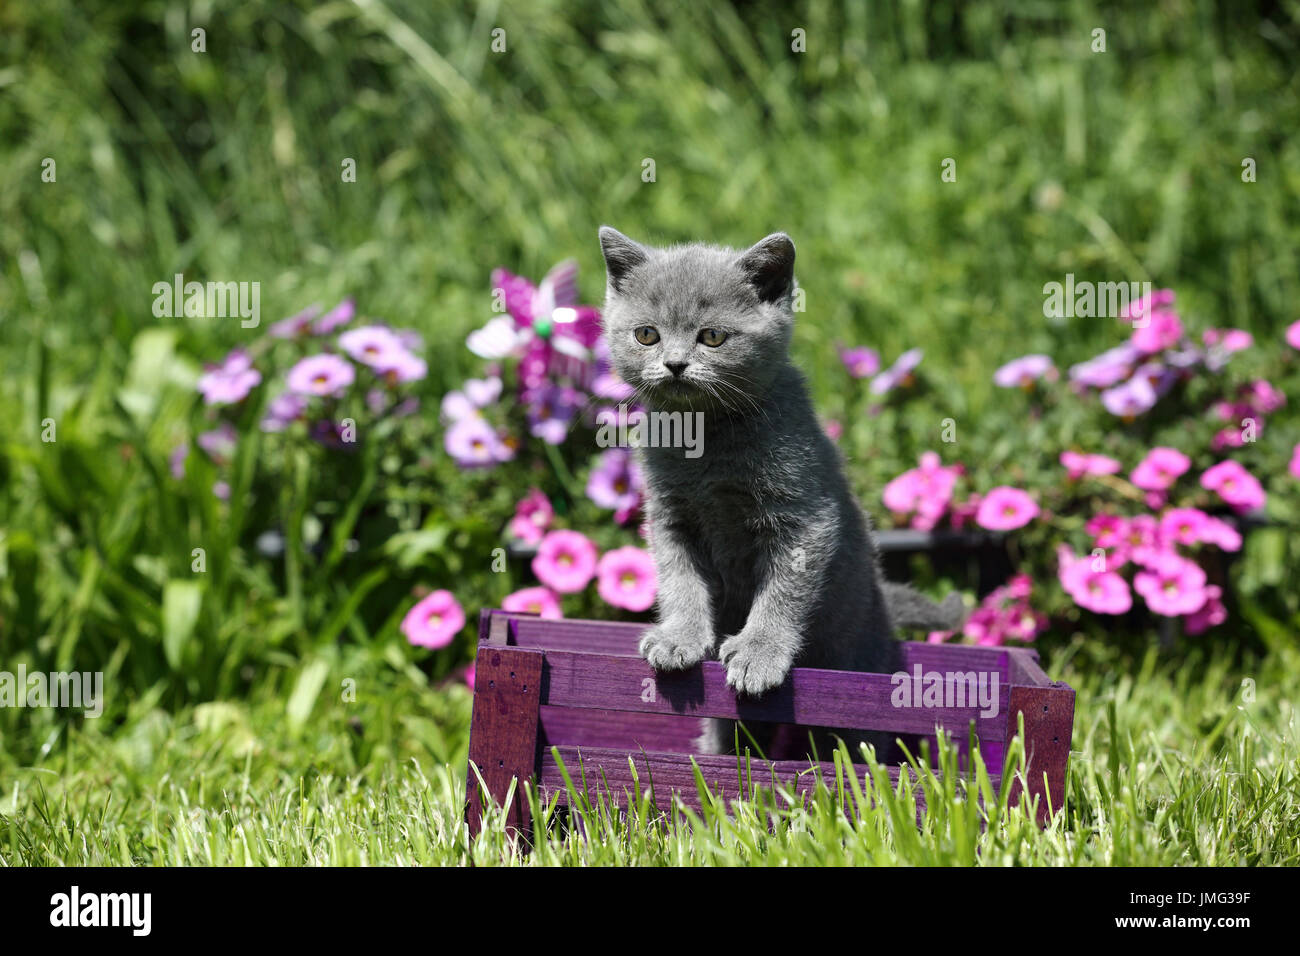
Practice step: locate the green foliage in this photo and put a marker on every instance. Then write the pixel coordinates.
(226, 165)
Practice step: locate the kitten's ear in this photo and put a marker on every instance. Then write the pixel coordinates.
(622, 255)
(769, 266)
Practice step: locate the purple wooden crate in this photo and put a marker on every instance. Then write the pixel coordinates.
(581, 687)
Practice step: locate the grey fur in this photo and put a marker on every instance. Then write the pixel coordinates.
(765, 560)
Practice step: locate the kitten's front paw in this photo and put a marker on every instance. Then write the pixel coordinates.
(755, 662)
(674, 647)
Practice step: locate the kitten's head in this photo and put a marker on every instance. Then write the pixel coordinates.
(697, 326)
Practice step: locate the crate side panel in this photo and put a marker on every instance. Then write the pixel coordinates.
(810, 697)
(572, 726)
(665, 774)
(503, 729)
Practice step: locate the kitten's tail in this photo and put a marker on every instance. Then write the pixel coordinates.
(910, 609)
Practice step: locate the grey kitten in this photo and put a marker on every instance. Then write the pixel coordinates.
(764, 558)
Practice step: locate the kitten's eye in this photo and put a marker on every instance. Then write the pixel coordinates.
(646, 335)
(712, 337)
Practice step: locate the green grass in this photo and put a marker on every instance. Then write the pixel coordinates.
(1172, 764)
(226, 740)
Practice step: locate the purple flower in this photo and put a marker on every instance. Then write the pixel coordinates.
(457, 406)
(219, 443)
(321, 375)
(176, 460)
(295, 326)
(229, 382)
(1129, 400)
(473, 444)
(551, 409)
(285, 409)
(1106, 369)
(401, 366)
(483, 392)
(370, 344)
(615, 483)
(341, 314)
(860, 361)
(1023, 372)
(900, 373)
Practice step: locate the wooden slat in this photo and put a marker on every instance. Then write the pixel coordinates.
(811, 697)
(1022, 664)
(672, 773)
(572, 726)
(503, 729)
(1049, 726)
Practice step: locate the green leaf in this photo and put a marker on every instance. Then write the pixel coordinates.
(181, 603)
(305, 692)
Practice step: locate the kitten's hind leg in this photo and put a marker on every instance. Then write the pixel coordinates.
(908, 608)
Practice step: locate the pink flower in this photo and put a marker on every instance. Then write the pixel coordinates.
(1160, 469)
(1184, 526)
(1221, 534)
(1159, 299)
(834, 429)
(1172, 586)
(294, 326)
(321, 375)
(1024, 371)
(533, 515)
(469, 675)
(1293, 335)
(341, 314)
(926, 489)
(1235, 485)
(626, 578)
(1230, 340)
(900, 373)
(861, 361)
(1161, 331)
(1210, 614)
(1077, 464)
(434, 621)
(1142, 541)
(1099, 591)
(1108, 531)
(565, 561)
(1005, 508)
(1294, 466)
(229, 382)
(540, 601)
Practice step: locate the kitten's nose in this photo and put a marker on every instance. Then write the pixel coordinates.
(676, 368)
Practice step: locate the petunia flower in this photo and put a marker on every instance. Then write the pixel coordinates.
(540, 601)
(1235, 485)
(1172, 586)
(1078, 464)
(533, 515)
(625, 578)
(1004, 508)
(1160, 469)
(565, 561)
(434, 621)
